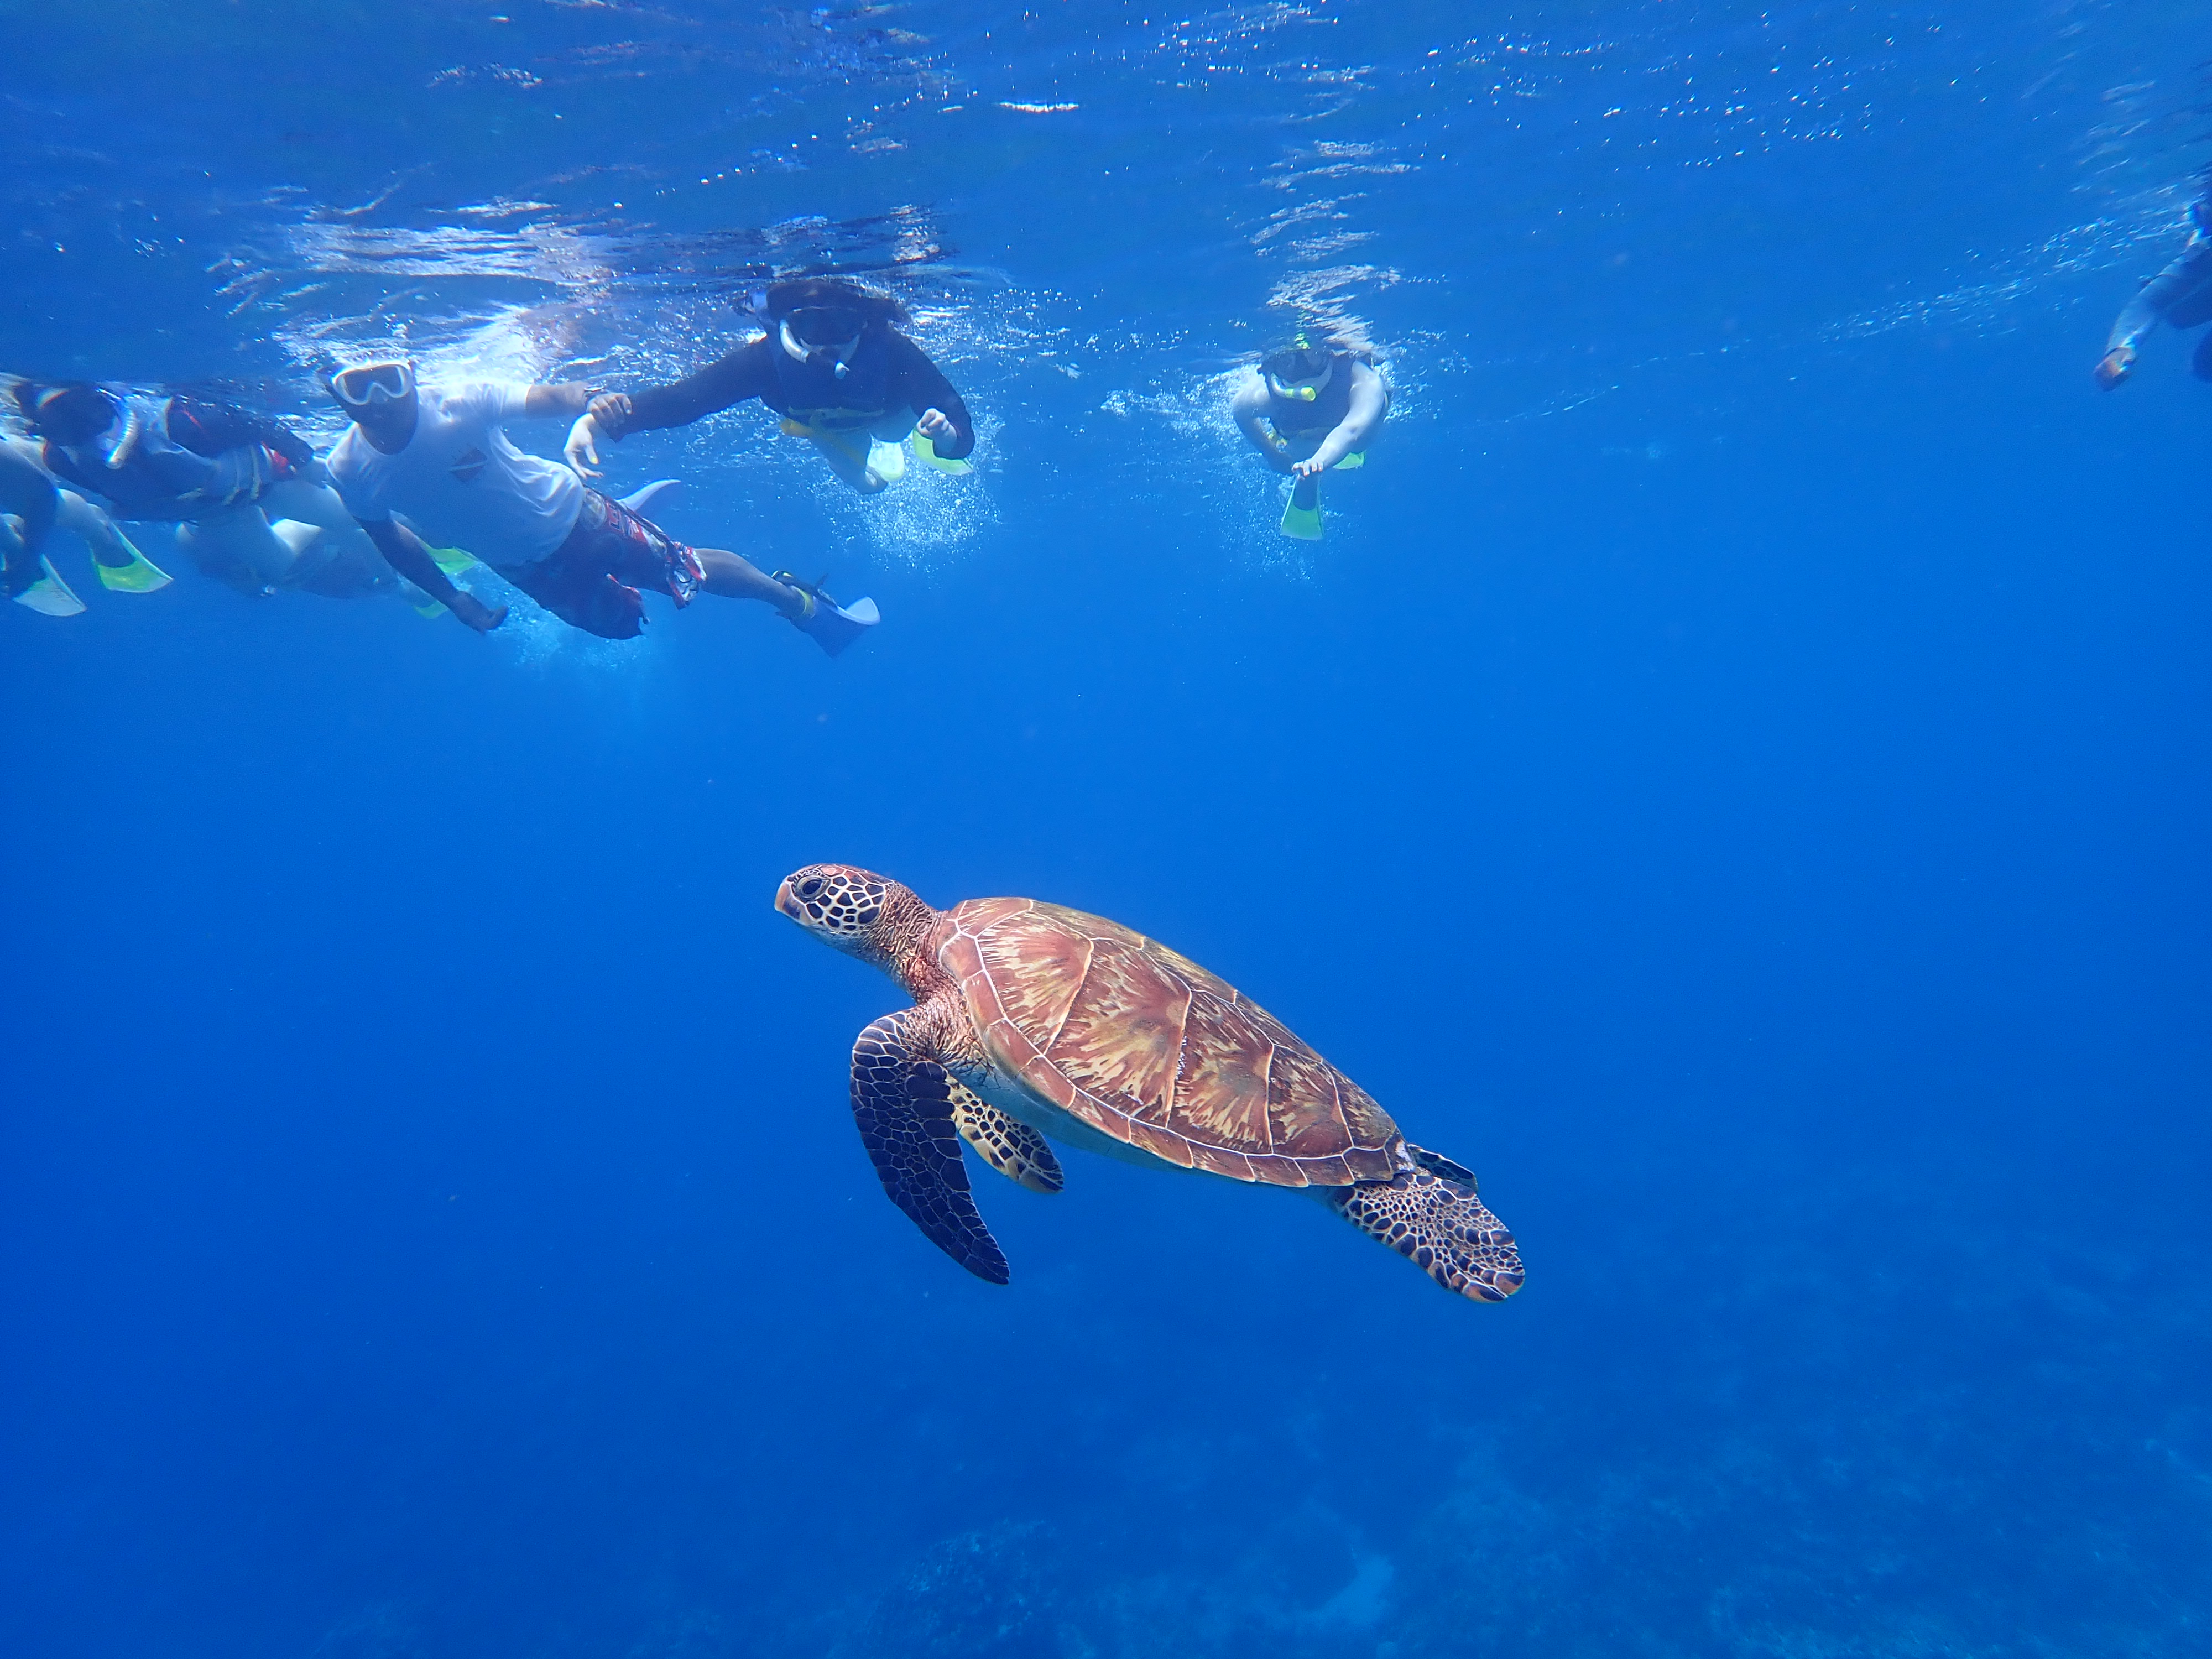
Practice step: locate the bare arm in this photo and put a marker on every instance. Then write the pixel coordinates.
(1249, 407)
(568, 399)
(403, 552)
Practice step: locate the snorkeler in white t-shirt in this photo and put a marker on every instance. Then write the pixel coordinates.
(438, 458)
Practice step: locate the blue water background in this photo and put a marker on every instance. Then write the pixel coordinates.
(1733, 775)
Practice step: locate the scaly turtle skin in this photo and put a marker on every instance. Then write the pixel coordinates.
(1030, 1019)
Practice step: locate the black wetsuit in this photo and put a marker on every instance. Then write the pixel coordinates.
(2180, 296)
(190, 459)
(30, 495)
(888, 373)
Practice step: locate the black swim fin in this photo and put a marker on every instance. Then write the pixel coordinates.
(832, 626)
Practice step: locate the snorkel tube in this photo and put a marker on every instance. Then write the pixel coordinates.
(1299, 372)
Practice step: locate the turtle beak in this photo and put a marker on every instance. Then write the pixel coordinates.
(784, 901)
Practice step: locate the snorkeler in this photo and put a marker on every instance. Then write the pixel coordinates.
(439, 456)
(1306, 409)
(833, 365)
(248, 496)
(2180, 296)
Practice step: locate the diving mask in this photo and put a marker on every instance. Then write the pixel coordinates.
(365, 384)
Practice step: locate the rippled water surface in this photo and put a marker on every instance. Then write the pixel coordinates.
(1733, 774)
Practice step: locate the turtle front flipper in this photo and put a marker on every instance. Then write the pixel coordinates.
(1007, 1145)
(903, 1102)
(1430, 1215)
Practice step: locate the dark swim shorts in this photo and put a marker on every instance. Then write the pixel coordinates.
(593, 580)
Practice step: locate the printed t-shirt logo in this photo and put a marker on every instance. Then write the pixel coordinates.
(467, 464)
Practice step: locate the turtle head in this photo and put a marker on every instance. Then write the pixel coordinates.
(856, 911)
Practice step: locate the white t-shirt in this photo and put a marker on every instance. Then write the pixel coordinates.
(459, 483)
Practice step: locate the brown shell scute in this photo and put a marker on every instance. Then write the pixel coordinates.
(1145, 1045)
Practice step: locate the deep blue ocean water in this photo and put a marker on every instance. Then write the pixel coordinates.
(1733, 775)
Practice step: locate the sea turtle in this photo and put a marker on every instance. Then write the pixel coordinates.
(1029, 1017)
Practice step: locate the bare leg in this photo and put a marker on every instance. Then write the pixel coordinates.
(92, 526)
(238, 545)
(735, 577)
(315, 504)
(839, 450)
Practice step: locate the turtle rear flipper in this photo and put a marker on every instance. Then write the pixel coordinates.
(1432, 1218)
(1012, 1148)
(903, 1102)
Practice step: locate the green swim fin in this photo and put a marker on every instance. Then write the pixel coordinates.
(141, 575)
(928, 452)
(452, 561)
(1301, 512)
(1356, 459)
(50, 596)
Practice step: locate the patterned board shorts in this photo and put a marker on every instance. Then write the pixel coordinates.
(593, 581)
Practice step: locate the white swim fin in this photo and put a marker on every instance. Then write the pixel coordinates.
(50, 596)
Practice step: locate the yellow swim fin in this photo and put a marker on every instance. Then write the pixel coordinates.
(1357, 458)
(452, 561)
(1301, 512)
(50, 596)
(928, 452)
(141, 575)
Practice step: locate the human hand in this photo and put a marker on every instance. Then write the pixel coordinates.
(935, 424)
(2114, 366)
(582, 448)
(1311, 467)
(474, 613)
(612, 407)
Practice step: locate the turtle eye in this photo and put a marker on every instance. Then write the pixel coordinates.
(810, 887)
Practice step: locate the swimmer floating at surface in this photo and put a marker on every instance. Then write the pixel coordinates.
(833, 364)
(440, 456)
(1307, 408)
(250, 500)
(2180, 296)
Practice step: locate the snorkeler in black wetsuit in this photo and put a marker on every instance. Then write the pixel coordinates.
(222, 474)
(1308, 408)
(2180, 296)
(832, 364)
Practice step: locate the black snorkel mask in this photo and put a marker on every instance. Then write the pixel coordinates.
(809, 333)
(1300, 377)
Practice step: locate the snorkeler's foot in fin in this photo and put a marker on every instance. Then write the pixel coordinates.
(1301, 512)
(928, 452)
(661, 492)
(832, 626)
(49, 595)
(140, 575)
